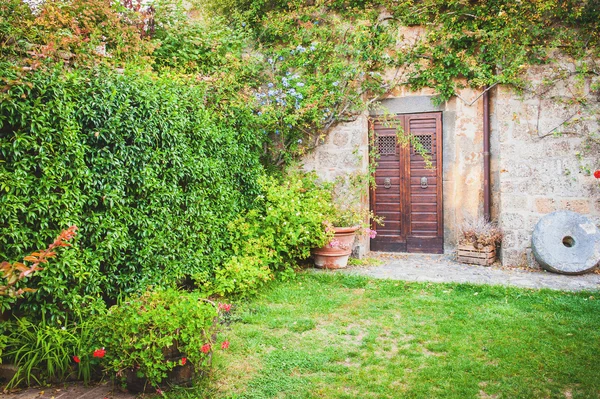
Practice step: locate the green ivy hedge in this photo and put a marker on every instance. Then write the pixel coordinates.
(150, 176)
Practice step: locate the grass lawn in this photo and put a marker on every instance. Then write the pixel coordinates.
(338, 336)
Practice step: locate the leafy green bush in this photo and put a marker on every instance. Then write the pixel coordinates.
(151, 176)
(71, 32)
(198, 48)
(150, 335)
(16, 273)
(285, 224)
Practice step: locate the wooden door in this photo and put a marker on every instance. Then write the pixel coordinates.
(408, 194)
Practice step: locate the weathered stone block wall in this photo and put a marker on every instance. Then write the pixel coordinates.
(344, 152)
(535, 170)
(541, 159)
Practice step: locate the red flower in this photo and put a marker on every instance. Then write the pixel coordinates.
(597, 174)
(99, 353)
(205, 348)
(225, 345)
(226, 307)
(76, 359)
(183, 361)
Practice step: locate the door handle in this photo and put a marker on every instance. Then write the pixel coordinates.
(424, 183)
(387, 183)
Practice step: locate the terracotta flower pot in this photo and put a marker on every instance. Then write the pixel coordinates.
(334, 255)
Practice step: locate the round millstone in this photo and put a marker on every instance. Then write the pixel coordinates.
(566, 242)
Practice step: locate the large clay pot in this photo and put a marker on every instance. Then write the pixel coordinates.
(334, 255)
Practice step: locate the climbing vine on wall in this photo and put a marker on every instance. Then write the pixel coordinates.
(380, 45)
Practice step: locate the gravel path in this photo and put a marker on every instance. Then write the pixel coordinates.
(442, 269)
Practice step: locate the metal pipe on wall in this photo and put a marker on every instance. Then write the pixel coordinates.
(486, 155)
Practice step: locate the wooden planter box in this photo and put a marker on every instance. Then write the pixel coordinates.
(467, 253)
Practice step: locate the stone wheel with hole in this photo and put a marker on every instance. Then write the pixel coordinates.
(566, 242)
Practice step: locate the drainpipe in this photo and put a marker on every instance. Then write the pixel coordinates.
(486, 155)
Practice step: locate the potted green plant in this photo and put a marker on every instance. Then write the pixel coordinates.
(478, 241)
(343, 231)
(349, 217)
(163, 337)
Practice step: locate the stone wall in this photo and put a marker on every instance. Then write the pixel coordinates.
(344, 152)
(462, 166)
(542, 157)
(536, 168)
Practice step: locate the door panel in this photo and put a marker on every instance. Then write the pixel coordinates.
(387, 196)
(425, 228)
(408, 193)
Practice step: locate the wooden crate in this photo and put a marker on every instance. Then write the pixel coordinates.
(476, 256)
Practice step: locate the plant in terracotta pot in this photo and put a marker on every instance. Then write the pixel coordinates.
(349, 218)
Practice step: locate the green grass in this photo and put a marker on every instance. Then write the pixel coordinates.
(340, 336)
(366, 261)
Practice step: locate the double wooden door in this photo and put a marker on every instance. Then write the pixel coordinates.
(408, 193)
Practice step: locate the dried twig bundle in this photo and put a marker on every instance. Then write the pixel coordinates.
(480, 233)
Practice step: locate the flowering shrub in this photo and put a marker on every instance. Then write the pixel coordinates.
(151, 335)
(348, 210)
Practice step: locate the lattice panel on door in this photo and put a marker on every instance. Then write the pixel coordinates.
(426, 142)
(386, 145)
